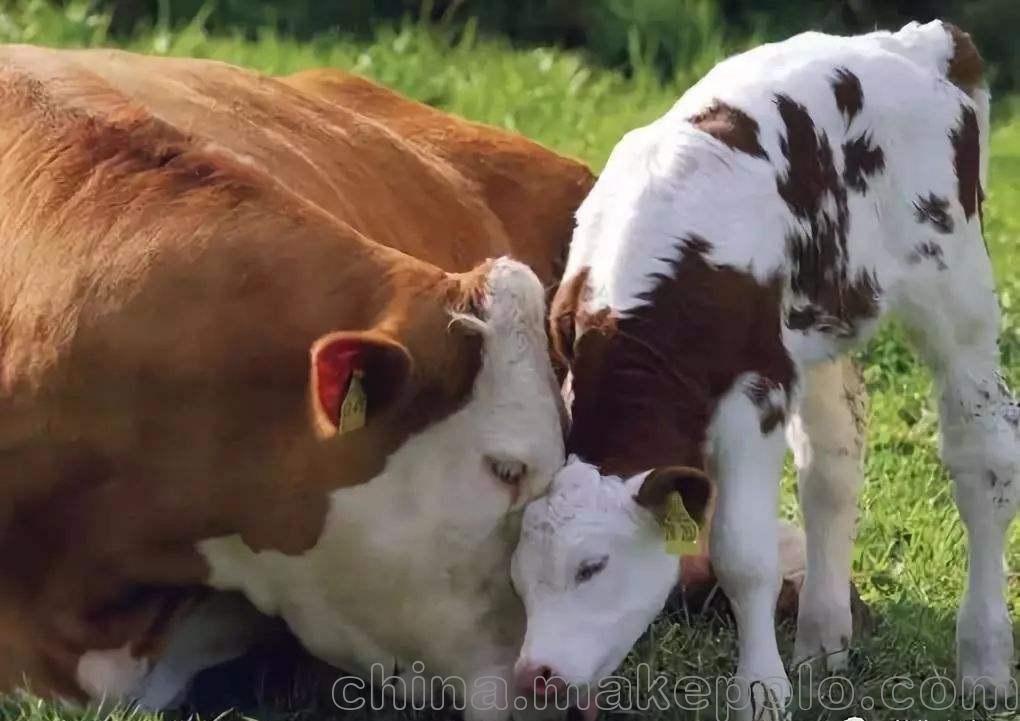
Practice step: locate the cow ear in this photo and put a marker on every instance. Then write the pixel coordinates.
(692, 485)
(465, 299)
(355, 376)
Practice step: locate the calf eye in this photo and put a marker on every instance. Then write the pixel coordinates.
(509, 472)
(587, 570)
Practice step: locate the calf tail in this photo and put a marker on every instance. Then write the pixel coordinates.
(951, 53)
(942, 47)
(981, 98)
(965, 69)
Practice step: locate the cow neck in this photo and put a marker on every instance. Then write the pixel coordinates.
(646, 381)
(633, 410)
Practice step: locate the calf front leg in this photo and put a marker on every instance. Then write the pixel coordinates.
(827, 437)
(748, 457)
(221, 627)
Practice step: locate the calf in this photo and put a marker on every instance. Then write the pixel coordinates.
(792, 198)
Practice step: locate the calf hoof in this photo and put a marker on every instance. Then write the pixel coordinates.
(984, 651)
(823, 638)
(988, 692)
(762, 697)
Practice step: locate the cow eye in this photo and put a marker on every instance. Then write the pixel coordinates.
(587, 570)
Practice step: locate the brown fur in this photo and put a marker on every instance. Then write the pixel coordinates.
(966, 68)
(862, 161)
(525, 185)
(772, 412)
(966, 71)
(934, 211)
(563, 314)
(967, 161)
(928, 250)
(835, 300)
(645, 391)
(730, 126)
(849, 94)
(176, 234)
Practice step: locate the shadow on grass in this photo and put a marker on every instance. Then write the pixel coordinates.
(901, 667)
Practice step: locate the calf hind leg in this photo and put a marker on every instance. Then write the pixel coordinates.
(957, 323)
(827, 437)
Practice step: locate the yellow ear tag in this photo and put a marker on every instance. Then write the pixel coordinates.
(354, 406)
(680, 529)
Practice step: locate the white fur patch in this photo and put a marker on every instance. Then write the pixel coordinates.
(111, 675)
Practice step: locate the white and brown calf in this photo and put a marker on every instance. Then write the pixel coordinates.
(730, 253)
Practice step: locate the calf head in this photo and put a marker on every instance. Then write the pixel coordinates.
(594, 570)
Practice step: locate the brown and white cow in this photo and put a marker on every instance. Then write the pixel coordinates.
(205, 276)
(729, 252)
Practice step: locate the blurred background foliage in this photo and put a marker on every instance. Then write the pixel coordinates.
(666, 36)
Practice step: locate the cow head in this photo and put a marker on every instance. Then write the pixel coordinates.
(474, 369)
(593, 569)
(455, 401)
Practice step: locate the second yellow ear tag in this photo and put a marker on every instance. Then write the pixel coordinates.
(680, 529)
(354, 406)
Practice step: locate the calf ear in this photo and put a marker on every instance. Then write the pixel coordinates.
(694, 487)
(354, 376)
(562, 337)
(562, 311)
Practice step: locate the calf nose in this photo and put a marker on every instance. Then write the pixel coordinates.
(538, 679)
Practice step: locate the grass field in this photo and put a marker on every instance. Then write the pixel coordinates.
(909, 563)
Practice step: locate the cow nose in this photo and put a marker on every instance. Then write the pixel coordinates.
(538, 679)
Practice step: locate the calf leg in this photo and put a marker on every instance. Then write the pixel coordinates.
(744, 546)
(981, 449)
(827, 438)
(222, 627)
(957, 323)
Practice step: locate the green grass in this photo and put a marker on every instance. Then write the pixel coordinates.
(909, 562)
